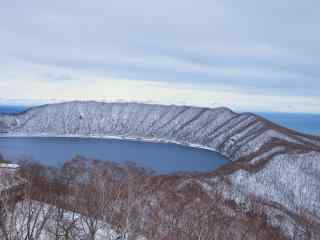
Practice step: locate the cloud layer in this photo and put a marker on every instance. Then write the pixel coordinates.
(269, 50)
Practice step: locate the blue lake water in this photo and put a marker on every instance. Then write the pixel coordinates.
(163, 158)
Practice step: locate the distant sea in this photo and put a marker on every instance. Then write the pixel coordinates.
(302, 122)
(12, 109)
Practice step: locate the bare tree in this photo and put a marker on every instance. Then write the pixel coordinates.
(26, 219)
(99, 188)
(65, 219)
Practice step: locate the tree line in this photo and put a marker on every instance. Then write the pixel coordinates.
(92, 200)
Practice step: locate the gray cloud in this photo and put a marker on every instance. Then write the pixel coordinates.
(268, 47)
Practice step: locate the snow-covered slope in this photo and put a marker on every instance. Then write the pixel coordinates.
(272, 163)
(234, 135)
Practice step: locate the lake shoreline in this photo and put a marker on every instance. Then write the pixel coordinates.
(115, 137)
(163, 160)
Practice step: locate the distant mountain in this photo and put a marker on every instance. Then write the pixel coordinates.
(275, 165)
(26, 102)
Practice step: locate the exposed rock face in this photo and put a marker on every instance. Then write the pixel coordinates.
(276, 165)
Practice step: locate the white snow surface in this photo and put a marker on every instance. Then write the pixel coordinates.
(292, 180)
(233, 135)
(22, 209)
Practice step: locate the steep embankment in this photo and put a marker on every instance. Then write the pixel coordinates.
(234, 135)
(278, 166)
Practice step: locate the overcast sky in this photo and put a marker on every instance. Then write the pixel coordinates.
(247, 55)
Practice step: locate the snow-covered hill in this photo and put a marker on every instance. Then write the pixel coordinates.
(234, 135)
(276, 165)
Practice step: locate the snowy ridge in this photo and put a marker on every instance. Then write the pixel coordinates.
(276, 165)
(233, 135)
